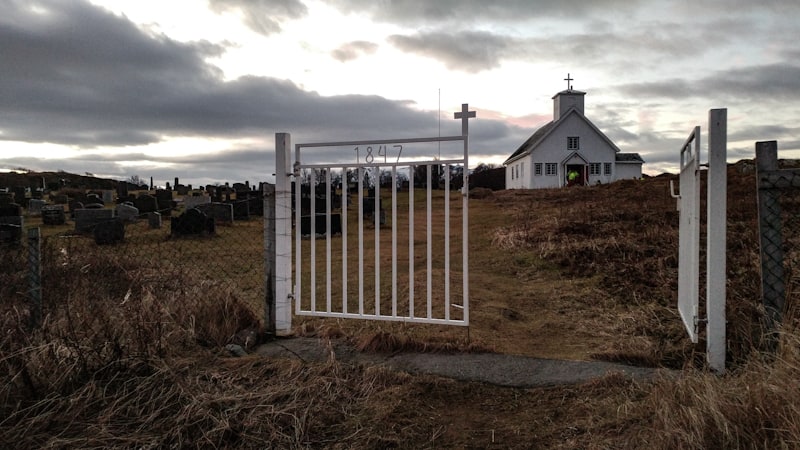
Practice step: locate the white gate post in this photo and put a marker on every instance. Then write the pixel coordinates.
(716, 235)
(283, 234)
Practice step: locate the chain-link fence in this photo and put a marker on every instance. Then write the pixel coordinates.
(779, 232)
(191, 249)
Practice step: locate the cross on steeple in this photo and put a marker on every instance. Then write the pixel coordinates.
(568, 79)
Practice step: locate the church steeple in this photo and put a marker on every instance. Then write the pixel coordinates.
(568, 99)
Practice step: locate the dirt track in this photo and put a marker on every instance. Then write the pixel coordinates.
(492, 368)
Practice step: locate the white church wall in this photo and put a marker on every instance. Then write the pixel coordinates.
(628, 171)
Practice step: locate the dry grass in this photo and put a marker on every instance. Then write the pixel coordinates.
(129, 358)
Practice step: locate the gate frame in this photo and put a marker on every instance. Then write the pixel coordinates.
(285, 292)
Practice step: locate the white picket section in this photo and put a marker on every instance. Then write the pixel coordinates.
(308, 301)
(689, 237)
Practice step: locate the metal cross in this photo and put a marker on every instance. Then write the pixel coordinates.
(464, 115)
(568, 79)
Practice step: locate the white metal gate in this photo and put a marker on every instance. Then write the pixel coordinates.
(354, 257)
(716, 232)
(689, 237)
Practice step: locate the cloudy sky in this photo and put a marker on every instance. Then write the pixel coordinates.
(197, 89)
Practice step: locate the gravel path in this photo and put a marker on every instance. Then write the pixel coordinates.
(492, 368)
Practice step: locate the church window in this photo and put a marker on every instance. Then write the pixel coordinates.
(573, 143)
(607, 168)
(537, 168)
(522, 170)
(594, 169)
(551, 169)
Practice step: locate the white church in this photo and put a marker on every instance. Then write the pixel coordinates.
(569, 151)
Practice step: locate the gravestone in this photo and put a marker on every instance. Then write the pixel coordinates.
(109, 232)
(195, 200)
(20, 195)
(320, 224)
(146, 203)
(255, 202)
(154, 220)
(165, 202)
(164, 197)
(182, 190)
(94, 199)
(35, 207)
(53, 215)
(193, 222)
(11, 223)
(122, 189)
(74, 205)
(6, 198)
(107, 195)
(87, 218)
(221, 213)
(369, 209)
(241, 209)
(126, 212)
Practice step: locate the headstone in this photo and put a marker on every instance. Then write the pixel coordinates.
(6, 198)
(241, 209)
(192, 222)
(53, 215)
(221, 213)
(11, 223)
(182, 190)
(93, 199)
(109, 232)
(94, 206)
(127, 212)
(146, 203)
(35, 207)
(122, 189)
(20, 195)
(164, 198)
(11, 210)
(86, 219)
(154, 220)
(108, 196)
(320, 224)
(193, 201)
(74, 205)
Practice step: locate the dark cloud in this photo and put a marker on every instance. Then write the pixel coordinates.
(79, 75)
(772, 82)
(262, 16)
(353, 50)
(470, 11)
(465, 50)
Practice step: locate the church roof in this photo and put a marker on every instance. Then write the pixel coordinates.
(532, 141)
(536, 138)
(632, 158)
(570, 91)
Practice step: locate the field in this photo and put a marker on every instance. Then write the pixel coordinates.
(134, 359)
